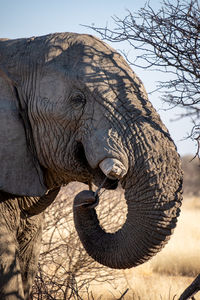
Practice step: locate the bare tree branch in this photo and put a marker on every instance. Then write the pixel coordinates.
(168, 40)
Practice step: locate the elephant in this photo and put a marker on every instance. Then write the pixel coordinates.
(72, 109)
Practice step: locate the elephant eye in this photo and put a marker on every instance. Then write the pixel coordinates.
(77, 100)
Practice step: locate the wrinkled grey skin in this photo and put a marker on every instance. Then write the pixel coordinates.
(72, 109)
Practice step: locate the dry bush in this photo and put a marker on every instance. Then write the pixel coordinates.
(65, 269)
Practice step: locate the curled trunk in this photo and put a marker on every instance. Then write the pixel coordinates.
(153, 191)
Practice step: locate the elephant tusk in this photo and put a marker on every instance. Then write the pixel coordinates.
(113, 168)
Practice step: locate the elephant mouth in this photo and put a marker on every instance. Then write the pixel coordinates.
(107, 168)
(99, 178)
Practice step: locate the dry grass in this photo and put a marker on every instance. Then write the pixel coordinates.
(166, 275)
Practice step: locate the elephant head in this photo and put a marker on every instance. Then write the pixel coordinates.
(72, 109)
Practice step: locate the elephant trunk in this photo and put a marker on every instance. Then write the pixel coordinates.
(153, 194)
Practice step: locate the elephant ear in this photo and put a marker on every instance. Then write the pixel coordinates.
(20, 172)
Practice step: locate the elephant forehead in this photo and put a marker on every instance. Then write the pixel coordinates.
(109, 71)
(88, 58)
(105, 67)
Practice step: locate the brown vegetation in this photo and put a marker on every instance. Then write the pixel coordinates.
(65, 269)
